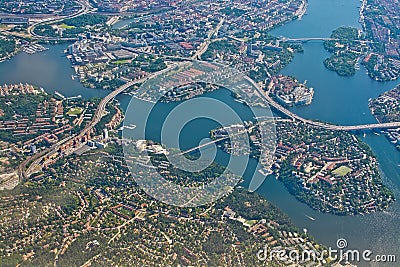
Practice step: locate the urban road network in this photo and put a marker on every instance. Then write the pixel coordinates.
(37, 161)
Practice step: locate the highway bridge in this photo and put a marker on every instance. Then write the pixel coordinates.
(37, 161)
(306, 39)
(344, 128)
(202, 145)
(317, 124)
(261, 119)
(324, 125)
(85, 9)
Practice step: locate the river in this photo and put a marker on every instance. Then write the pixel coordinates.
(50, 70)
(341, 100)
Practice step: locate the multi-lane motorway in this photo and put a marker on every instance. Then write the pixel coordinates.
(324, 125)
(85, 9)
(35, 162)
(204, 46)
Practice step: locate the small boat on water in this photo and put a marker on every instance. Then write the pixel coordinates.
(128, 93)
(265, 172)
(311, 218)
(130, 127)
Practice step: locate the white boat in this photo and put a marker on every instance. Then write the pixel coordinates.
(239, 100)
(265, 172)
(309, 217)
(130, 127)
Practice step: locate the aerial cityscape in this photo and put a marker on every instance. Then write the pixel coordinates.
(199, 133)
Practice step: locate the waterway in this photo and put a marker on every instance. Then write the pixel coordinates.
(123, 23)
(50, 70)
(341, 100)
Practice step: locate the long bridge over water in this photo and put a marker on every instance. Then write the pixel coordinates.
(323, 125)
(307, 39)
(34, 162)
(318, 124)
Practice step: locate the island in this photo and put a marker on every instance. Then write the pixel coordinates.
(376, 46)
(346, 47)
(331, 171)
(288, 91)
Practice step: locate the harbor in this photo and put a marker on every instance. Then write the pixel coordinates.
(34, 48)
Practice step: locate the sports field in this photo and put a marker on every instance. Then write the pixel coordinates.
(342, 170)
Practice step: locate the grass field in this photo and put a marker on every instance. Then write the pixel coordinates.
(342, 170)
(251, 222)
(67, 27)
(74, 111)
(119, 62)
